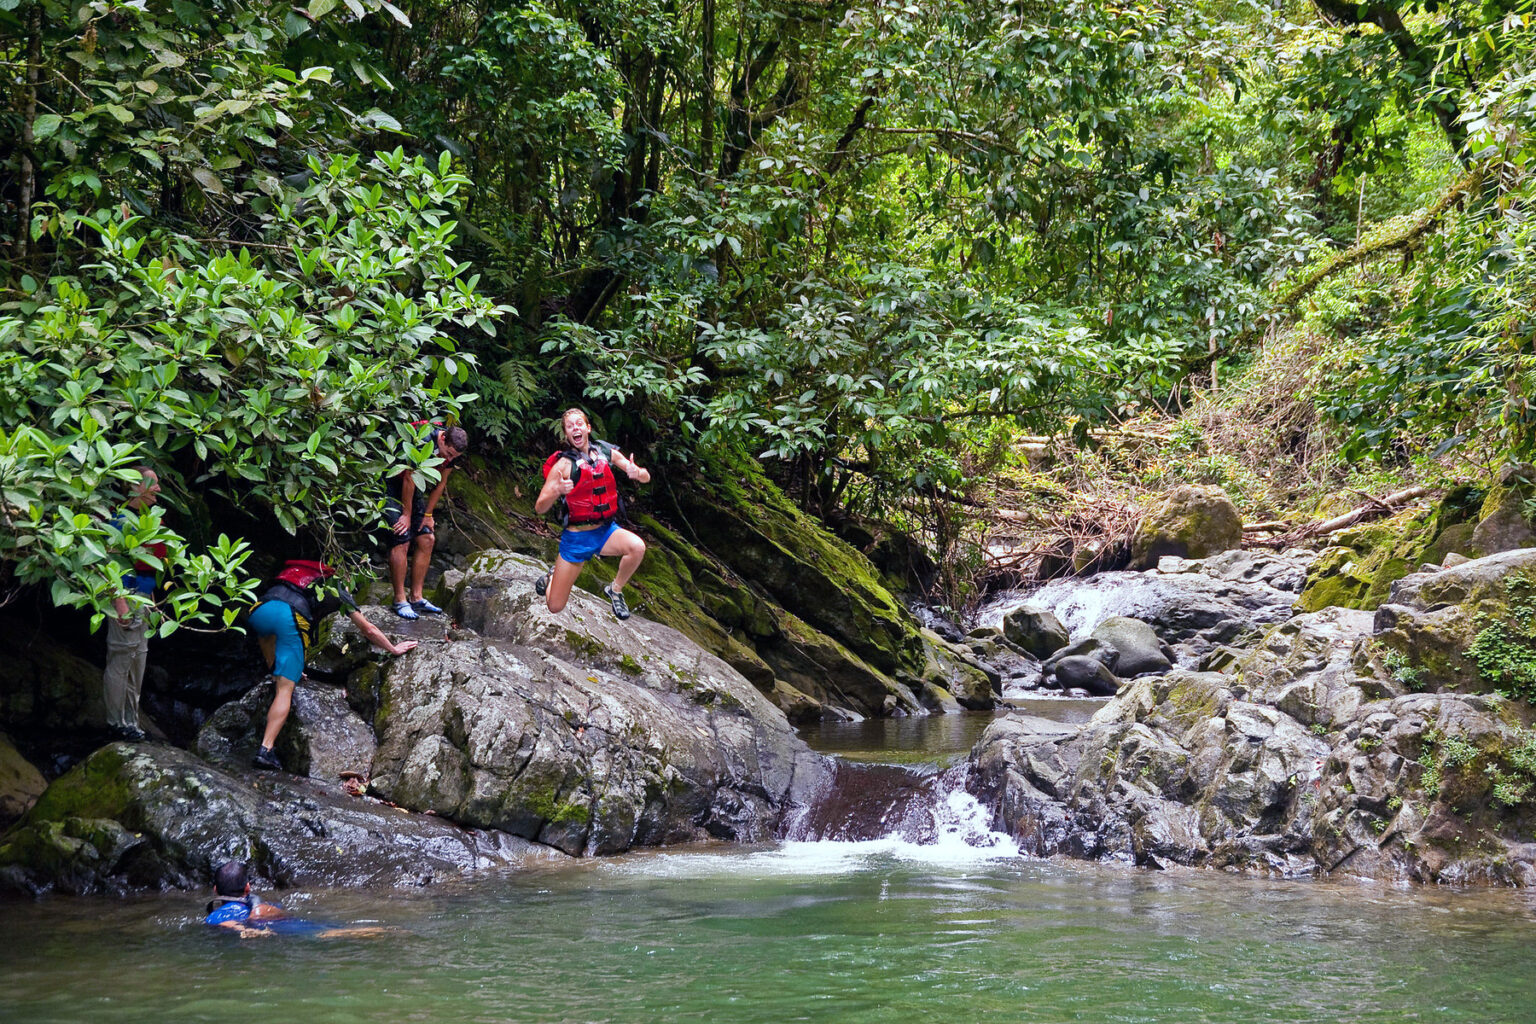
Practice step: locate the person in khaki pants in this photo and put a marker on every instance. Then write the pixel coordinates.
(128, 632)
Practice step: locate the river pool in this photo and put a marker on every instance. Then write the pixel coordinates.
(961, 929)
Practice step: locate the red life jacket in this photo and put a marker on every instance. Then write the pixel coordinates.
(303, 573)
(158, 550)
(595, 496)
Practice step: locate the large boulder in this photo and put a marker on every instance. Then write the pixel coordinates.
(1191, 522)
(1079, 672)
(152, 816)
(1137, 648)
(580, 731)
(323, 737)
(1469, 627)
(1035, 629)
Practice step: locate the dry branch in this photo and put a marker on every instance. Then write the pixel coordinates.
(1371, 509)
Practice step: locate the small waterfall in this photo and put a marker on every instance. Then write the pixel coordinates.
(906, 812)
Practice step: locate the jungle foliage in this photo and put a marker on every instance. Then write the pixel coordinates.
(251, 242)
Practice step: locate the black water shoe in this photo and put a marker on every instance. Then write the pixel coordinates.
(541, 584)
(264, 758)
(619, 607)
(128, 733)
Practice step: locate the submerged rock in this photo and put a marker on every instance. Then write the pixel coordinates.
(151, 816)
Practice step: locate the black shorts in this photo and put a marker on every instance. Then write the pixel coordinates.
(388, 538)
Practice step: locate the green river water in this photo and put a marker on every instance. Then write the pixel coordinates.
(885, 930)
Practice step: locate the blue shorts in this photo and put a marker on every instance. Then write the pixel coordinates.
(275, 619)
(577, 546)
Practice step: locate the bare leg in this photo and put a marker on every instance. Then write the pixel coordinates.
(397, 562)
(420, 559)
(277, 714)
(560, 584)
(631, 551)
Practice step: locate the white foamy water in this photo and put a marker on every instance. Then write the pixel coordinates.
(961, 838)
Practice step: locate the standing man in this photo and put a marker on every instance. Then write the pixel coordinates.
(127, 630)
(581, 479)
(410, 531)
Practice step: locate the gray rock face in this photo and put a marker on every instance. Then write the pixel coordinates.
(1136, 647)
(582, 732)
(1191, 522)
(152, 816)
(322, 738)
(1034, 629)
(1432, 620)
(1303, 756)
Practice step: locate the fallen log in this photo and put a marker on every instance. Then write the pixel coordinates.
(1372, 508)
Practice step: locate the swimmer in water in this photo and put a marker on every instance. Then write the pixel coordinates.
(235, 907)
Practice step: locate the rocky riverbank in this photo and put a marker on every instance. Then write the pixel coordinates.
(1395, 744)
(518, 732)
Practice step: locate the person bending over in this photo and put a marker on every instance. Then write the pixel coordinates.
(410, 530)
(286, 621)
(580, 479)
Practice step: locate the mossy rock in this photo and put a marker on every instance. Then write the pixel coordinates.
(1359, 570)
(747, 524)
(1190, 522)
(1504, 522)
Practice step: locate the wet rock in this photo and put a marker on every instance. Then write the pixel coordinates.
(1191, 522)
(322, 738)
(1137, 649)
(151, 816)
(957, 672)
(20, 783)
(582, 732)
(1088, 647)
(1034, 629)
(1087, 674)
(1303, 756)
(1189, 608)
